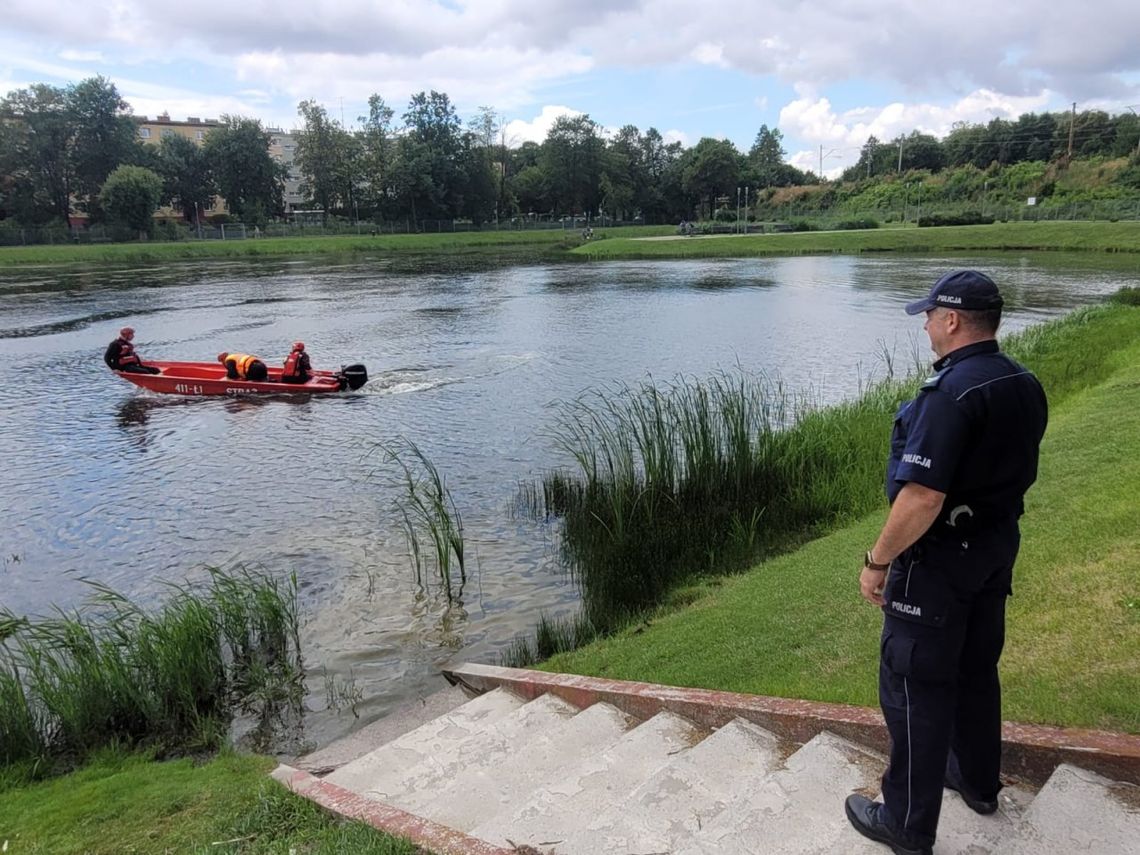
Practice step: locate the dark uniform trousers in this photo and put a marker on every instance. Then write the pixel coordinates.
(943, 633)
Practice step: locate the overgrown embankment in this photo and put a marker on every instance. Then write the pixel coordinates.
(794, 625)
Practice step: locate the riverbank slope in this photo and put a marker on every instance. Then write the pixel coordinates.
(1023, 236)
(794, 626)
(467, 249)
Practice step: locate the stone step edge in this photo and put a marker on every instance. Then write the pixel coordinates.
(1030, 752)
(432, 836)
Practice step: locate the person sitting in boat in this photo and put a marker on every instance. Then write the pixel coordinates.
(298, 368)
(120, 355)
(242, 366)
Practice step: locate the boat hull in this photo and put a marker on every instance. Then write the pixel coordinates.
(209, 378)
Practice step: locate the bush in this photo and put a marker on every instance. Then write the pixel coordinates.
(1128, 295)
(866, 223)
(802, 226)
(967, 218)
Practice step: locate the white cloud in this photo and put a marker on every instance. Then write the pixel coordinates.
(81, 56)
(672, 135)
(520, 131)
(843, 134)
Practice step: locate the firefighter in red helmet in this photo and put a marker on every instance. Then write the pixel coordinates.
(297, 367)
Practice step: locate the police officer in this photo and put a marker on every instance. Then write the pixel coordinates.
(963, 453)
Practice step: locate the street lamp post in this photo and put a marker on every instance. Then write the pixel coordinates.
(738, 210)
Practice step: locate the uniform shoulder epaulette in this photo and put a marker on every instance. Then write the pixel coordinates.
(934, 379)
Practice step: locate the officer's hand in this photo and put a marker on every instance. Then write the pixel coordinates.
(871, 585)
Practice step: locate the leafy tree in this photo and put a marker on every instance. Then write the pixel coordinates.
(246, 174)
(326, 157)
(429, 154)
(922, 151)
(131, 195)
(377, 155)
(661, 198)
(103, 136)
(36, 131)
(572, 161)
(767, 156)
(712, 170)
(187, 182)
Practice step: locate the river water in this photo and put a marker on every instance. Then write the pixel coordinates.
(107, 482)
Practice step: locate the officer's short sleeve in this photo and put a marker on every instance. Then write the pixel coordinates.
(936, 436)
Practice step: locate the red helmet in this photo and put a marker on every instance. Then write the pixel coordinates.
(222, 356)
(298, 345)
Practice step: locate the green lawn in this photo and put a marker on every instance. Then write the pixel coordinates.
(608, 244)
(513, 246)
(124, 804)
(795, 626)
(1068, 236)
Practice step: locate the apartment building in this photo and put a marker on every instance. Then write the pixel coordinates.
(282, 145)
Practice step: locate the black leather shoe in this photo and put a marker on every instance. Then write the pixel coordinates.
(983, 806)
(864, 815)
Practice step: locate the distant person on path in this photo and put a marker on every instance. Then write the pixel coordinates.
(120, 355)
(298, 368)
(242, 366)
(963, 453)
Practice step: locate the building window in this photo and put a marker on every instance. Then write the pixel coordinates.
(167, 132)
(144, 133)
(199, 135)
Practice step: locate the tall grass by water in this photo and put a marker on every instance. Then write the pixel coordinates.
(431, 520)
(699, 476)
(112, 673)
(706, 476)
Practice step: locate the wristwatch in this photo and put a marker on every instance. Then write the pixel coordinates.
(871, 564)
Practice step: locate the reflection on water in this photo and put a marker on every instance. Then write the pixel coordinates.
(136, 490)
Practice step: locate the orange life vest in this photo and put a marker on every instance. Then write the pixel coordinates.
(292, 369)
(241, 362)
(127, 355)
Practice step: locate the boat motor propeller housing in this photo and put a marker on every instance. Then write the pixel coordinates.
(352, 376)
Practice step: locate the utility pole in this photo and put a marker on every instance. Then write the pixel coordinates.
(1134, 113)
(821, 163)
(900, 155)
(1072, 127)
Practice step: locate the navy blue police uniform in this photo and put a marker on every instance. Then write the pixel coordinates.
(972, 432)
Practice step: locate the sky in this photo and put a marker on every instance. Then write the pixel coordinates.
(828, 73)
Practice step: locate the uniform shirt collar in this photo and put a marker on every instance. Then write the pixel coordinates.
(955, 356)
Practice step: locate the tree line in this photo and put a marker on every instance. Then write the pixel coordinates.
(77, 149)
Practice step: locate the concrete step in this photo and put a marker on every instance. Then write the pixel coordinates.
(420, 761)
(1079, 812)
(591, 786)
(679, 799)
(477, 794)
(796, 809)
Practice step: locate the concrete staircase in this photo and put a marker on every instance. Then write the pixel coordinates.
(500, 774)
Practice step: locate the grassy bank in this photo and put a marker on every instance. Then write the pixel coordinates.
(433, 251)
(1053, 236)
(794, 625)
(421, 249)
(126, 803)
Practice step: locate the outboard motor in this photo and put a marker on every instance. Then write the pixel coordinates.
(352, 376)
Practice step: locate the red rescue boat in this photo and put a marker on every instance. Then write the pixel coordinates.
(209, 378)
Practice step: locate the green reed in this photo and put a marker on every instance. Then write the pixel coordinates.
(429, 513)
(702, 476)
(113, 673)
(552, 635)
